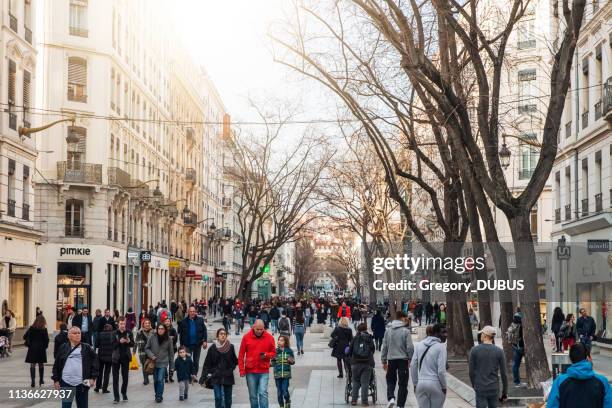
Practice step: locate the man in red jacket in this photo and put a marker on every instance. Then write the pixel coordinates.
(344, 311)
(256, 351)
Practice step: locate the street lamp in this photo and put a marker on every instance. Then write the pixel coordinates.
(504, 155)
(25, 131)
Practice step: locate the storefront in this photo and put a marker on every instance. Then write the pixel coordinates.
(73, 288)
(20, 285)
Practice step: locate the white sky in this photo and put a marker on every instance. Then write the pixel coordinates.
(229, 38)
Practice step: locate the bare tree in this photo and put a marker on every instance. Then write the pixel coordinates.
(274, 193)
(305, 263)
(439, 51)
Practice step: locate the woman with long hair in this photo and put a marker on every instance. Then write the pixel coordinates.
(567, 332)
(557, 321)
(159, 349)
(219, 365)
(299, 329)
(341, 337)
(37, 340)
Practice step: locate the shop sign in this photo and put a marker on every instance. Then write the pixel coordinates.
(190, 274)
(174, 264)
(116, 254)
(219, 279)
(197, 276)
(132, 255)
(75, 251)
(145, 256)
(598, 245)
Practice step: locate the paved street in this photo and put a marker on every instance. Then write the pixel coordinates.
(314, 383)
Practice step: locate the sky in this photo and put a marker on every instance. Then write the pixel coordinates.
(229, 38)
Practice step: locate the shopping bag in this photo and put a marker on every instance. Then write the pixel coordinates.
(134, 363)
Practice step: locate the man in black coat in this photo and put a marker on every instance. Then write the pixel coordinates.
(71, 378)
(60, 339)
(83, 321)
(104, 320)
(193, 335)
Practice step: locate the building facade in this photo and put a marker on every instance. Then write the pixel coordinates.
(20, 284)
(582, 174)
(129, 195)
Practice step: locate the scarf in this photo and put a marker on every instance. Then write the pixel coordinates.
(223, 348)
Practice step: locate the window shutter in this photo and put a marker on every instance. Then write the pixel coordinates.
(26, 89)
(598, 52)
(77, 71)
(585, 66)
(12, 76)
(81, 133)
(11, 167)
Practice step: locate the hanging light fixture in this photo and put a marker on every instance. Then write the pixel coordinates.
(504, 155)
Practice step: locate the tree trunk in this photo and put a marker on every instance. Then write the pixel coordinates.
(536, 362)
(460, 339)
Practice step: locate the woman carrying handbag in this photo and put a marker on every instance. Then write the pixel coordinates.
(218, 371)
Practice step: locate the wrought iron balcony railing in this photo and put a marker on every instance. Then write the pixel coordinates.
(568, 212)
(585, 207)
(557, 216)
(79, 172)
(75, 231)
(598, 202)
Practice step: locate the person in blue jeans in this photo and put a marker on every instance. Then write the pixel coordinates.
(256, 350)
(219, 366)
(282, 370)
(515, 335)
(159, 349)
(299, 329)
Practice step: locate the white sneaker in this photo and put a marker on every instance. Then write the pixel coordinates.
(391, 403)
(520, 385)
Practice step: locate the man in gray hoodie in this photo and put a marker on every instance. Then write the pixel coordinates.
(397, 350)
(487, 361)
(428, 368)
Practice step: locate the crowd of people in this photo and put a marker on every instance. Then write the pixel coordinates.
(170, 339)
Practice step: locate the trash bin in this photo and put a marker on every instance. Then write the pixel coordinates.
(560, 363)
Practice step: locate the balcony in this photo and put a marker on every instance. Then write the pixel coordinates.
(585, 207)
(78, 172)
(226, 202)
(568, 212)
(557, 216)
(568, 129)
(531, 108)
(25, 212)
(526, 44)
(525, 174)
(597, 110)
(598, 202)
(607, 100)
(13, 22)
(28, 35)
(79, 32)
(119, 177)
(75, 231)
(585, 119)
(12, 120)
(11, 208)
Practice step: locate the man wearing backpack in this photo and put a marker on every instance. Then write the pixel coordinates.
(361, 352)
(284, 325)
(397, 350)
(514, 335)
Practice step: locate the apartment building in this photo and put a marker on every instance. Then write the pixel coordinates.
(129, 193)
(582, 173)
(20, 284)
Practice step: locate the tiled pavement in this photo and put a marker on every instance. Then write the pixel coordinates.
(314, 384)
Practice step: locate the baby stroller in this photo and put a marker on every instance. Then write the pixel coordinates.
(348, 389)
(4, 343)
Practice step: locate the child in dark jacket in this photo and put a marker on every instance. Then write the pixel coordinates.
(184, 368)
(282, 370)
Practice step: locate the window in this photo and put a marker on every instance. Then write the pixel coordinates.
(78, 18)
(12, 11)
(27, 81)
(12, 77)
(27, 20)
(529, 157)
(526, 34)
(77, 149)
(74, 218)
(527, 90)
(77, 79)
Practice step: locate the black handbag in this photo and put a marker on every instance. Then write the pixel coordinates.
(332, 343)
(206, 379)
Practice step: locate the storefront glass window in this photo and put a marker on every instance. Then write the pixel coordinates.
(73, 273)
